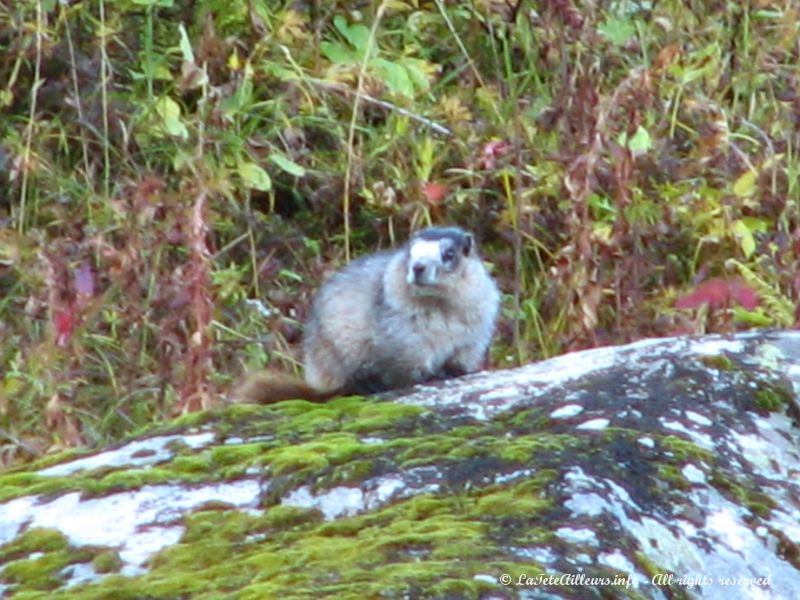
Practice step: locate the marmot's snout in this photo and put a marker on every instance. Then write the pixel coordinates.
(420, 273)
(424, 260)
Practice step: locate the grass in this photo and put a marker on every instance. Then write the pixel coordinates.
(177, 178)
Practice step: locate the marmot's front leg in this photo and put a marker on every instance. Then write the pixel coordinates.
(467, 359)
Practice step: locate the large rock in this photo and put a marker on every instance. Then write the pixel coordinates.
(664, 469)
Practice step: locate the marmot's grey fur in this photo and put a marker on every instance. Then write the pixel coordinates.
(423, 311)
(392, 319)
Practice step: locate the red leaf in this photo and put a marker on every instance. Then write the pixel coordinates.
(64, 323)
(747, 297)
(434, 192)
(714, 292)
(492, 151)
(717, 293)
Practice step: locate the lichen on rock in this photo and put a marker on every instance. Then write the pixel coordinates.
(666, 468)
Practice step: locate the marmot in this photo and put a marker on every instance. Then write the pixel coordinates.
(388, 320)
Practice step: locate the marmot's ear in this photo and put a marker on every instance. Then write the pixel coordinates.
(466, 244)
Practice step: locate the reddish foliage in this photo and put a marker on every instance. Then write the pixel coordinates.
(69, 297)
(60, 419)
(492, 151)
(666, 56)
(195, 393)
(147, 191)
(720, 293)
(434, 192)
(63, 323)
(568, 13)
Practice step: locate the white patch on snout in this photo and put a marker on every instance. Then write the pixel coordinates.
(425, 250)
(427, 253)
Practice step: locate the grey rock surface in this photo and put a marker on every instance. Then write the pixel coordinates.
(667, 468)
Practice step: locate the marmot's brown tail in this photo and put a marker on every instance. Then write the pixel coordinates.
(268, 387)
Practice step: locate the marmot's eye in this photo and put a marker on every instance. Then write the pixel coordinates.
(448, 255)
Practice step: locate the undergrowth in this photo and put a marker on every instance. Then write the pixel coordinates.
(178, 177)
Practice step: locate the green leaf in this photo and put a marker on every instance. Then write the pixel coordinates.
(185, 45)
(288, 165)
(746, 240)
(155, 3)
(340, 23)
(705, 52)
(240, 99)
(617, 31)
(745, 185)
(281, 72)
(425, 153)
(756, 224)
(701, 63)
(689, 75)
(337, 53)
(754, 318)
(286, 273)
(602, 208)
(395, 77)
(170, 113)
(640, 142)
(255, 177)
(418, 76)
(603, 231)
(357, 35)
(398, 5)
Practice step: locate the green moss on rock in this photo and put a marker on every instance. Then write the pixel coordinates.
(373, 418)
(743, 493)
(772, 399)
(719, 362)
(34, 540)
(33, 561)
(107, 562)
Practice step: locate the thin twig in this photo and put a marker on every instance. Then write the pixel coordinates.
(77, 94)
(37, 83)
(104, 68)
(343, 89)
(351, 134)
(460, 44)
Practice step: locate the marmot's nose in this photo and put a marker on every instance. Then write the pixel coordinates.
(419, 271)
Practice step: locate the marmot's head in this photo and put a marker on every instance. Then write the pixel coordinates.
(435, 256)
